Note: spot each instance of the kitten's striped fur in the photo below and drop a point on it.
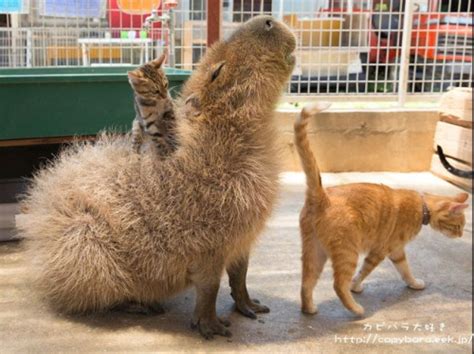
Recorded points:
(155, 112)
(341, 222)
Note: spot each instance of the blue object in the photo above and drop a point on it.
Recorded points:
(11, 6)
(73, 8)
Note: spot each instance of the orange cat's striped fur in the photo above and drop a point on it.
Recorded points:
(341, 222)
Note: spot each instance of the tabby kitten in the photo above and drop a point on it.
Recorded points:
(342, 222)
(154, 108)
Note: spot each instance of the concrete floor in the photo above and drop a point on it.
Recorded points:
(394, 312)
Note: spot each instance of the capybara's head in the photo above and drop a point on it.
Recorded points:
(269, 40)
(249, 68)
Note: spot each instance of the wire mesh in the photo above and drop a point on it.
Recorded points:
(345, 47)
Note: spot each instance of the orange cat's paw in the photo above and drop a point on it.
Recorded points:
(418, 284)
(358, 310)
(310, 310)
(357, 288)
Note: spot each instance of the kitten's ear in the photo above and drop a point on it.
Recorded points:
(135, 74)
(216, 70)
(135, 77)
(461, 197)
(158, 62)
(457, 208)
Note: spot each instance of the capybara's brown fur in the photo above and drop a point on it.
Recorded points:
(113, 226)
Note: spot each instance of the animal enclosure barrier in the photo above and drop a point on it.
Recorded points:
(359, 48)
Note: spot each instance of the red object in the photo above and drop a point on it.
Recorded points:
(424, 37)
(123, 21)
(170, 4)
(213, 21)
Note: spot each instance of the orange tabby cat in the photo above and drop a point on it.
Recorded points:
(342, 222)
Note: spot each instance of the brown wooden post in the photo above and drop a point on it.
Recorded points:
(214, 10)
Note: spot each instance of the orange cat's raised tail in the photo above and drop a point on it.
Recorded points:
(315, 191)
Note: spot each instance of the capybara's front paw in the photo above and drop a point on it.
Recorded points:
(208, 327)
(251, 307)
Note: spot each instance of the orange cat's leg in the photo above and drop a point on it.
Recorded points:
(344, 262)
(400, 262)
(314, 259)
(371, 261)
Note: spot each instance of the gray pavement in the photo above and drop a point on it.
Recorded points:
(394, 313)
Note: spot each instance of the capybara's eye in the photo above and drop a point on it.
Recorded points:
(268, 25)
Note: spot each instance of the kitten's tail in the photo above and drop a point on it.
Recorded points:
(315, 190)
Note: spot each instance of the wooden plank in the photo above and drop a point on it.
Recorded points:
(457, 102)
(8, 211)
(188, 45)
(74, 52)
(456, 141)
(8, 234)
(438, 169)
(44, 141)
(213, 21)
(7, 215)
(449, 118)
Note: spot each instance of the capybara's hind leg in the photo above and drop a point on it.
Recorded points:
(206, 279)
(237, 272)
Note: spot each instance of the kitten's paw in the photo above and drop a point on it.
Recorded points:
(358, 310)
(418, 284)
(309, 310)
(357, 288)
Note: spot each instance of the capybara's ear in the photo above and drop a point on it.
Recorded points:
(216, 70)
(194, 101)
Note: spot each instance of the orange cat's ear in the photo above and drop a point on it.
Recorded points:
(457, 208)
(461, 197)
